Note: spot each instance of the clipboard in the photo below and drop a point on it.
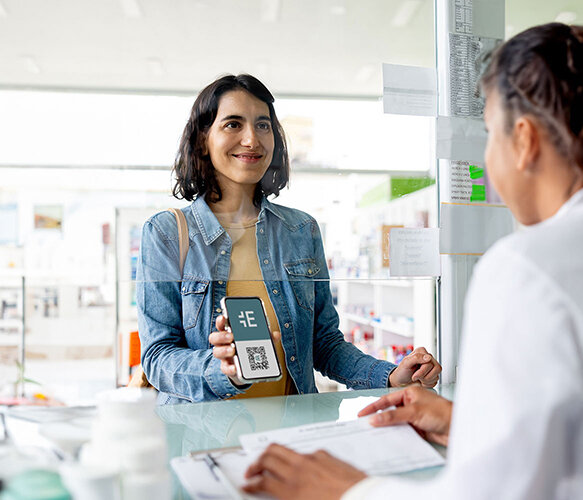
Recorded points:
(200, 483)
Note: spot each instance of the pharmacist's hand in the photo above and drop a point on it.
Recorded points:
(285, 474)
(428, 413)
(419, 366)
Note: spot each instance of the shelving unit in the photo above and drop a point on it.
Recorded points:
(387, 312)
(12, 317)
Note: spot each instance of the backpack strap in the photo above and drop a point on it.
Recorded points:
(183, 242)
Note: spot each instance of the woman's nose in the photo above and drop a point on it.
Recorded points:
(249, 137)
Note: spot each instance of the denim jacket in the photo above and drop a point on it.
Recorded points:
(177, 313)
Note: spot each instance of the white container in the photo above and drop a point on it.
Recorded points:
(147, 486)
(130, 439)
(91, 483)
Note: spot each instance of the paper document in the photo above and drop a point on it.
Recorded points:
(414, 251)
(409, 90)
(376, 450)
(470, 229)
(200, 483)
(460, 139)
(349, 407)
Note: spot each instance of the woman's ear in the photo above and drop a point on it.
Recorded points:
(205, 149)
(526, 135)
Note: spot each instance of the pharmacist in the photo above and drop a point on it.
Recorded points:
(517, 425)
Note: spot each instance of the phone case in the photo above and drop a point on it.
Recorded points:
(236, 357)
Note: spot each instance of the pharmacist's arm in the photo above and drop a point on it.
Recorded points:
(513, 434)
(284, 473)
(516, 425)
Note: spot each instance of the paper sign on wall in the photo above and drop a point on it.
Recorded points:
(414, 252)
(409, 90)
(461, 139)
(470, 229)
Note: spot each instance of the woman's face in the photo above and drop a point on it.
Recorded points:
(502, 158)
(240, 141)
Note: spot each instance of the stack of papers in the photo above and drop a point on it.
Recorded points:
(375, 450)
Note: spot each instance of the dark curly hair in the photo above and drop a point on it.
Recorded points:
(193, 170)
(539, 72)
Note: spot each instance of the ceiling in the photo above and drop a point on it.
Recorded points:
(297, 47)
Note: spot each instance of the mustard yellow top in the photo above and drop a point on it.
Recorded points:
(245, 279)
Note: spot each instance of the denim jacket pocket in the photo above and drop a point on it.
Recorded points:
(193, 293)
(300, 275)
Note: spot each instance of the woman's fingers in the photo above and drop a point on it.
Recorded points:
(228, 368)
(432, 377)
(223, 352)
(422, 372)
(221, 338)
(221, 322)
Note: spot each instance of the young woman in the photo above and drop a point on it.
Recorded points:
(517, 428)
(231, 157)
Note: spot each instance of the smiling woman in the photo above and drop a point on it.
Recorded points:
(231, 157)
(240, 142)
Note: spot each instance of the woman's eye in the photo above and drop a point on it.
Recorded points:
(264, 126)
(232, 125)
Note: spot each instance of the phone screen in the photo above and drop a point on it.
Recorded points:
(253, 342)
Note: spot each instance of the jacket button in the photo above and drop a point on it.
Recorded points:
(261, 231)
(220, 282)
(286, 325)
(218, 309)
(223, 252)
(228, 394)
(293, 358)
(266, 261)
(309, 271)
(275, 292)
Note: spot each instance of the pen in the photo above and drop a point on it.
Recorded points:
(222, 478)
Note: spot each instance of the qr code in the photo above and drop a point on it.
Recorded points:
(257, 358)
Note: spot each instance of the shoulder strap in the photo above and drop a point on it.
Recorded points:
(182, 235)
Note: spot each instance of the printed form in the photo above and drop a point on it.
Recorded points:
(375, 450)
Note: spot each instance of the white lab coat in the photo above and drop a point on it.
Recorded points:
(517, 426)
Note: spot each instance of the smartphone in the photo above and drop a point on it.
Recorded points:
(255, 356)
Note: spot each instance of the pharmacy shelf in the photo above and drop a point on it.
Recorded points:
(398, 328)
(410, 302)
(9, 339)
(6, 324)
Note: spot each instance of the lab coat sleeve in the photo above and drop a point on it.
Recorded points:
(517, 428)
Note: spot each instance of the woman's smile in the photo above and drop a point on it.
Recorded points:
(248, 157)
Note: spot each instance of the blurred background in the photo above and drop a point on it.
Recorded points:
(93, 100)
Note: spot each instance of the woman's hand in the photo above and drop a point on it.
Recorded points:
(224, 350)
(285, 474)
(419, 366)
(428, 413)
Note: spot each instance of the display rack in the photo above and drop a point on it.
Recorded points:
(376, 314)
(12, 315)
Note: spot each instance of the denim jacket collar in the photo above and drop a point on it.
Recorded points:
(209, 226)
(267, 205)
(207, 223)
